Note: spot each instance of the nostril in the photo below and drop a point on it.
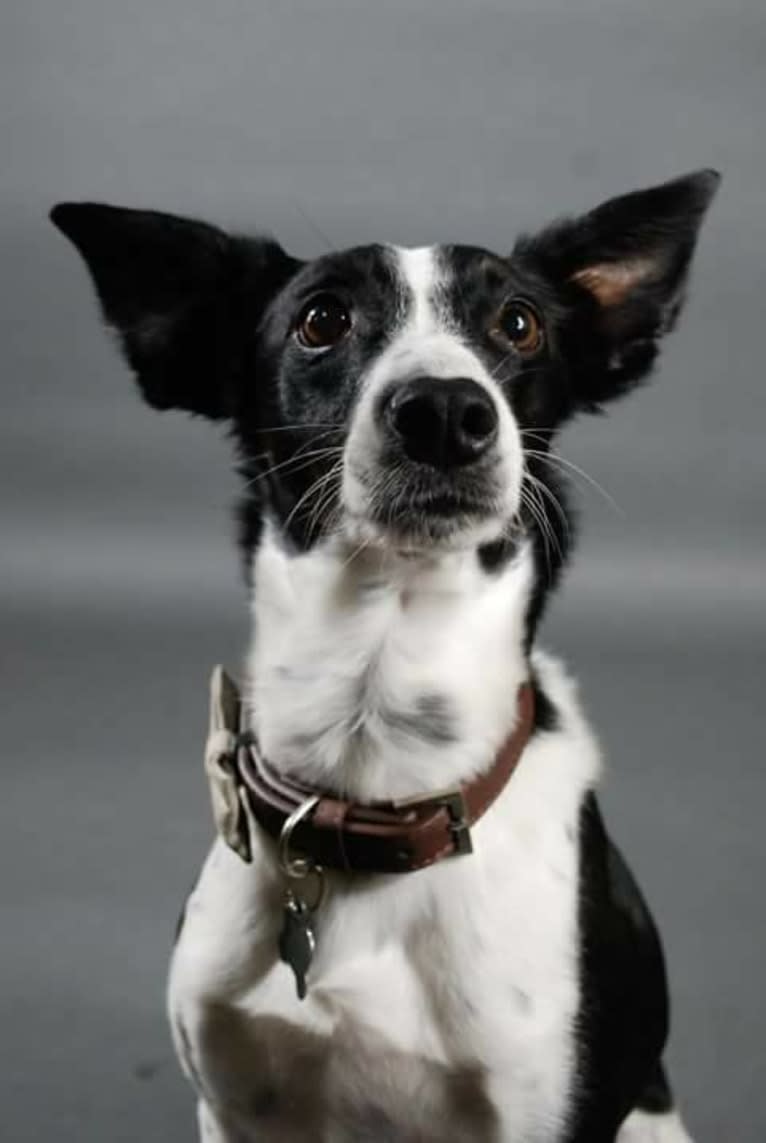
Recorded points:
(414, 417)
(478, 421)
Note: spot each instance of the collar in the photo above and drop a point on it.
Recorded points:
(375, 837)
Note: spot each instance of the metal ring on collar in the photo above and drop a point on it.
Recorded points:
(296, 867)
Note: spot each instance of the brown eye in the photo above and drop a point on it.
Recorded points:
(519, 324)
(323, 322)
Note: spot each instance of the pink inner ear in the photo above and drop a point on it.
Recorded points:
(611, 282)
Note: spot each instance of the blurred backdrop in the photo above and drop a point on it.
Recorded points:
(332, 123)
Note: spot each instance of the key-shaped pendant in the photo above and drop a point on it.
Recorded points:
(297, 940)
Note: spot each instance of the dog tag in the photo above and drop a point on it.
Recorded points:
(297, 941)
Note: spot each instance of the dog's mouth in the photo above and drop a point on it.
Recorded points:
(419, 511)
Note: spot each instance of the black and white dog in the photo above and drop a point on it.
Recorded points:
(404, 520)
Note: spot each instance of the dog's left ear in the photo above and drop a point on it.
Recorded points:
(180, 294)
(624, 268)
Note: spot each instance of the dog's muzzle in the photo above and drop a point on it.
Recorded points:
(431, 462)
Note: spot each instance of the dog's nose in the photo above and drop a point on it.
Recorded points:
(442, 422)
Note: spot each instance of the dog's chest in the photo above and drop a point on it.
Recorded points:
(384, 682)
(441, 1004)
(463, 982)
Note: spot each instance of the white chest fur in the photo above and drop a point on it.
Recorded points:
(442, 1003)
(384, 675)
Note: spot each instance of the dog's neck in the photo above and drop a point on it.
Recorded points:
(380, 675)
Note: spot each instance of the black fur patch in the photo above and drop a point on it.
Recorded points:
(656, 1098)
(437, 720)
(430, 720)
(546, 713)
(427, 720)
(623, 1018)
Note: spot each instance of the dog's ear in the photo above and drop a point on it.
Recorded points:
(175, 291)
(624, 268)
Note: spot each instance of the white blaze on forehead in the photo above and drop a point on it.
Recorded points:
(426, 340)
(422, 276)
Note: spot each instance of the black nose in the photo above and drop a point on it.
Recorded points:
(442, 422)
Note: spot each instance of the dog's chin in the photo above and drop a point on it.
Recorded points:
(428, 529)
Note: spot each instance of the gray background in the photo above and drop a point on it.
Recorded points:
(412, 122)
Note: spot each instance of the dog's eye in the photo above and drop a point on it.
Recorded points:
(323, 322)
(519, 323)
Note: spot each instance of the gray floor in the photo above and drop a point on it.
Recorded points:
(118, 583)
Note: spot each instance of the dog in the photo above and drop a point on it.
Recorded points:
(413, 926)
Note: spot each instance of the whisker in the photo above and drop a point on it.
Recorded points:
(504, 360)
(300, 427)
(556, 458)
(301, 459)
(543, 488)
(318, 489)
(324, 500)
(313, 488)
(312, 223)
(541, 522)
(356, 552)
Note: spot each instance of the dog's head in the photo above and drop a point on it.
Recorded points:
(405, 398)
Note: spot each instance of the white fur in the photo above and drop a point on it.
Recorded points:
(641, 1127)
(344, 640)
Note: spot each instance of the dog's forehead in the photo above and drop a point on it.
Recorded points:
(414, 271)
(372, 267)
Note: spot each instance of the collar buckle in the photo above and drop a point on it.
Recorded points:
(453, 801)
(460, 828)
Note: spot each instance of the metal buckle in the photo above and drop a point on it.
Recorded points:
(454, 803)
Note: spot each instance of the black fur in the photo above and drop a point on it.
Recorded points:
(656, 1097)
(182, 296)
(546, 713)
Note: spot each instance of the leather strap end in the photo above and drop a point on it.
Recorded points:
(220, 765)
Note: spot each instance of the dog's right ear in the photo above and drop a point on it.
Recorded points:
(179, 294)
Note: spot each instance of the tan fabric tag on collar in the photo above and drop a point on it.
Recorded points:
(221, 764)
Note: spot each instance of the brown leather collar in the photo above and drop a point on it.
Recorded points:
(378, 837)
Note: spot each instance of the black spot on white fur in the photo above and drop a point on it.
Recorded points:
(428, 720)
